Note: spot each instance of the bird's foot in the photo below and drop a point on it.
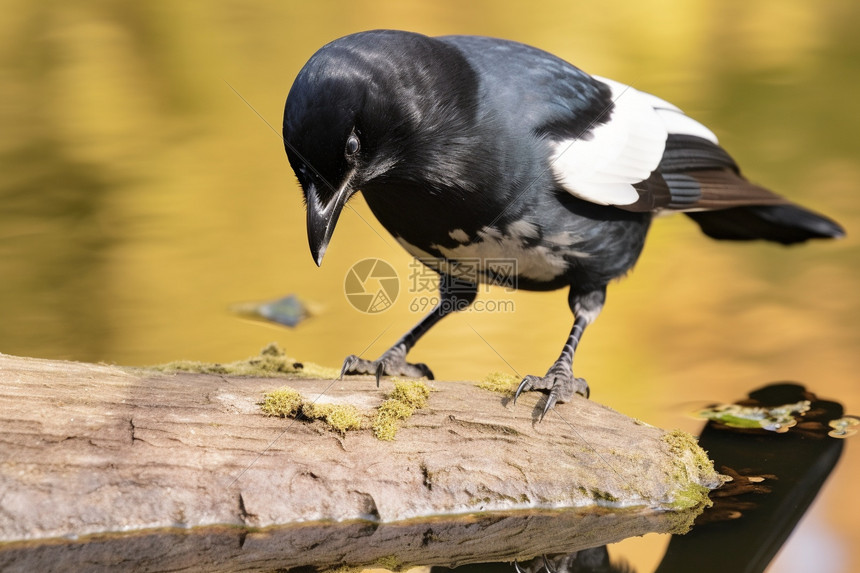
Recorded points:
(392, 363)
(558, 382)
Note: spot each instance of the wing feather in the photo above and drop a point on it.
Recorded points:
(609, 162)
(649, 156)
(602, 165)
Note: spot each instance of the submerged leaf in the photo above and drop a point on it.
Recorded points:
(288, 310)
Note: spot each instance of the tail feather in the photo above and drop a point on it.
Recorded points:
(704, 182)
(786, 224)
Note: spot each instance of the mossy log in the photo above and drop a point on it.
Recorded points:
(110, 452)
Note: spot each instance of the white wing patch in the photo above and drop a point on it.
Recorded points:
(623, 151)
(672, 117)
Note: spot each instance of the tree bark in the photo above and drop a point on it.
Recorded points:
(116, 454)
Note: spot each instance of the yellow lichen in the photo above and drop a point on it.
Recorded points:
(389, 562)
(339, 417)
(284, 402)
(272, 361)
(407, 396)
(498, 382)
(288, 403)
(346, 569)
(387, 416)
(411, 392)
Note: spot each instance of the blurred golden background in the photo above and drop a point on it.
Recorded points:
(145, 191)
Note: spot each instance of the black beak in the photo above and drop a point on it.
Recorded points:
(323, 218)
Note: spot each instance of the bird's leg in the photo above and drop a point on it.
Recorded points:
(559, 380)
(454, 295)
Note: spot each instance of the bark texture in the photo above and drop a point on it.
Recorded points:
(117, 454)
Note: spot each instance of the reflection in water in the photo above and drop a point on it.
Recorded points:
(593, 560)
(775, 476)
(775, 419)
(844, 427)
(447, 541)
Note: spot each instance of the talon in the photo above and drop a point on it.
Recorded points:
(524, 386)
(559, 385)
(380, 369)
(425, 370)
(550, 402)
(548, 566)
(348, 364)
(517, 568)
(389, 364)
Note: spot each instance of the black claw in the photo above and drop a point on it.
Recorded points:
(425, 370)
(550, 402)
(380, 369)
(348, 363)
(520, 389)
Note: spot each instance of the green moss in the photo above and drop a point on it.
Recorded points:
(339, 417)
(272, 361)
(284, 402)
(191, 366)
(498, 382)
(346, 569)
(682, 521)
(680, 442)
(604, 496)
(389, 562)
(407, 396)
(690, 496)
(690, 493)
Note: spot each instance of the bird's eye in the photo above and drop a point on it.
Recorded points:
(352, 144)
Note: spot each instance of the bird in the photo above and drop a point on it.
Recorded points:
(495, 162)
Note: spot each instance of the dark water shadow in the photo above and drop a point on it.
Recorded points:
(775, 478)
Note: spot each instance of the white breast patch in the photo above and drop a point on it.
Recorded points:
(491, 248)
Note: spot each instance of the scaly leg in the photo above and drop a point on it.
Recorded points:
(454, 295)
(559, 379)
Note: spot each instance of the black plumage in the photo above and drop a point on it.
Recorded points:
(470, 148)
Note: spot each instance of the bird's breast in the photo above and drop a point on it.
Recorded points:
(518, 256)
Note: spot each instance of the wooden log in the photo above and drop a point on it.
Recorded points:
(119, 453)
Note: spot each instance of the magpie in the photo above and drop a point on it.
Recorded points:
(473, 151)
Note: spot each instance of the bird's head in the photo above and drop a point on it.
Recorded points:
(366, 111)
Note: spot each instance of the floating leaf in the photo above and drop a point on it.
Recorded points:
(774, 419)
